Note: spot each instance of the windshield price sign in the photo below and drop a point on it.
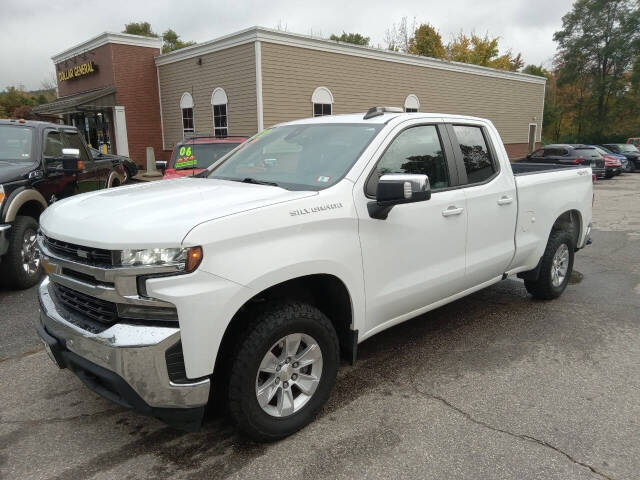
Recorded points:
(186, 158)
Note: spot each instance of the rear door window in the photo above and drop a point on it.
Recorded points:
(477, 158)
(73, 140)
(53, 145)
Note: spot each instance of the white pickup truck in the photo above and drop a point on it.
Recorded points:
(248, 282)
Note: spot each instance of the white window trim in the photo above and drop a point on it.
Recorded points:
(186, 101)
(323, 96)
(221, 99)
(412, 101)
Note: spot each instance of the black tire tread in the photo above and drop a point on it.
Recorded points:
(274, 317)
(542, 288)
(11, 273)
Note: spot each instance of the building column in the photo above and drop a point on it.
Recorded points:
(120, 127)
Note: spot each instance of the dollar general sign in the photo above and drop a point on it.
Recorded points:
(81, 70)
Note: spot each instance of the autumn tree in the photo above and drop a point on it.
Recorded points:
(355, 38)
(596, 49)
(482, 51)
(427, 41)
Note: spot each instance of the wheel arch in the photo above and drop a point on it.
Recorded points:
(571, 220)
(114, 177)
(25, 201)
(327, 292)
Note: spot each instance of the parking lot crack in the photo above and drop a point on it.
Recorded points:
(521, 436)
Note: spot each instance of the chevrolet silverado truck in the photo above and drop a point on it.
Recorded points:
(243, 286)
(40, 162)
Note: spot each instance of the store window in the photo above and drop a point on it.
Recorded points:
(219, 104)
(411, 103)
(322, 101)
(186, 105)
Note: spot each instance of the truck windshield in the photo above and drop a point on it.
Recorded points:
(298, 157)
(200, 155)
(15, 144)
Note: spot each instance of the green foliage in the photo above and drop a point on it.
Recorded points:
(171, 42)
(596, 62)
(170, 39)
(140, 28)
(537, 70)
(427, 41)
(483, 51)
(355, 38)
(17, 103)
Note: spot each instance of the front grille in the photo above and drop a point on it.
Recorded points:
(79, 253)
(100, 310)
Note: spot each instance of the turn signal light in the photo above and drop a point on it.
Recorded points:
(80, 165)
(578, 160)
(194, 257)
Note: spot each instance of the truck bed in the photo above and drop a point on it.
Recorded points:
(527, 168)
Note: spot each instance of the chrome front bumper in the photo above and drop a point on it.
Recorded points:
(133, 351)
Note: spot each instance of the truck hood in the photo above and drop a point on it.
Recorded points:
(10, 172)
(154, 214)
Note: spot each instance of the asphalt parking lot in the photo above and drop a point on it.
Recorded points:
(495, 385)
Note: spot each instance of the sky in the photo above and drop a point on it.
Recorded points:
(31, 31)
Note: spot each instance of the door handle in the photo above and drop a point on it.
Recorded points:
(452, 210)
(505, 200)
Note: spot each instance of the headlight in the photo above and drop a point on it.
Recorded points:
(186, 259)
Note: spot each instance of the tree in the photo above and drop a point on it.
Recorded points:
(355, 38)
(140, 28)
(397, 37)
(537, 70)
(171, 41)
(482, 51)
(596, 49)
(427, 41)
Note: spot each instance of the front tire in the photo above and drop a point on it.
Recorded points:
(555, 268)
(283, 371)
(20, 267)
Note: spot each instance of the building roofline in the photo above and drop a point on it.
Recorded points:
(268, 35)
(103, 39)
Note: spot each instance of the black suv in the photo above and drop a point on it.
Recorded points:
(628, 150)
(40, 163)
(565, 154)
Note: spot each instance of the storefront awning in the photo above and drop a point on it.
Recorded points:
(97, 99)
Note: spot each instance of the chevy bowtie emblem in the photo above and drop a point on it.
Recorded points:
(82, 254)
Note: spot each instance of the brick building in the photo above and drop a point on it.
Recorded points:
(108, 88)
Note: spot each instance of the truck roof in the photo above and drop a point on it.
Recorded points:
(34, 123)
(383, 117)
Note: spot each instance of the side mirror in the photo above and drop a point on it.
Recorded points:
(161, 165)
(71, 162)
(395, 189)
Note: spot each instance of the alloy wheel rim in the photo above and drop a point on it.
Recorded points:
(560, 265)
(289, 375)
(29, 252)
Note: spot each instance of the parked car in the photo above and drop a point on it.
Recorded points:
(635, 141)
(196, 154)
(567, 154)
(624, 163)
(130, 167)
(251, 278)
(628, 150)
(40, 163)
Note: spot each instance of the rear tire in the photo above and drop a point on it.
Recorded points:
(257, 358)
(20, 267)
(555, 268)
(632, 166)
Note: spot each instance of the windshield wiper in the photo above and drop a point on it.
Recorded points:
(258, 182)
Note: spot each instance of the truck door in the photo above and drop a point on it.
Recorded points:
(89, 179)
(492, 206)
(416, 256)
(56, 184)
